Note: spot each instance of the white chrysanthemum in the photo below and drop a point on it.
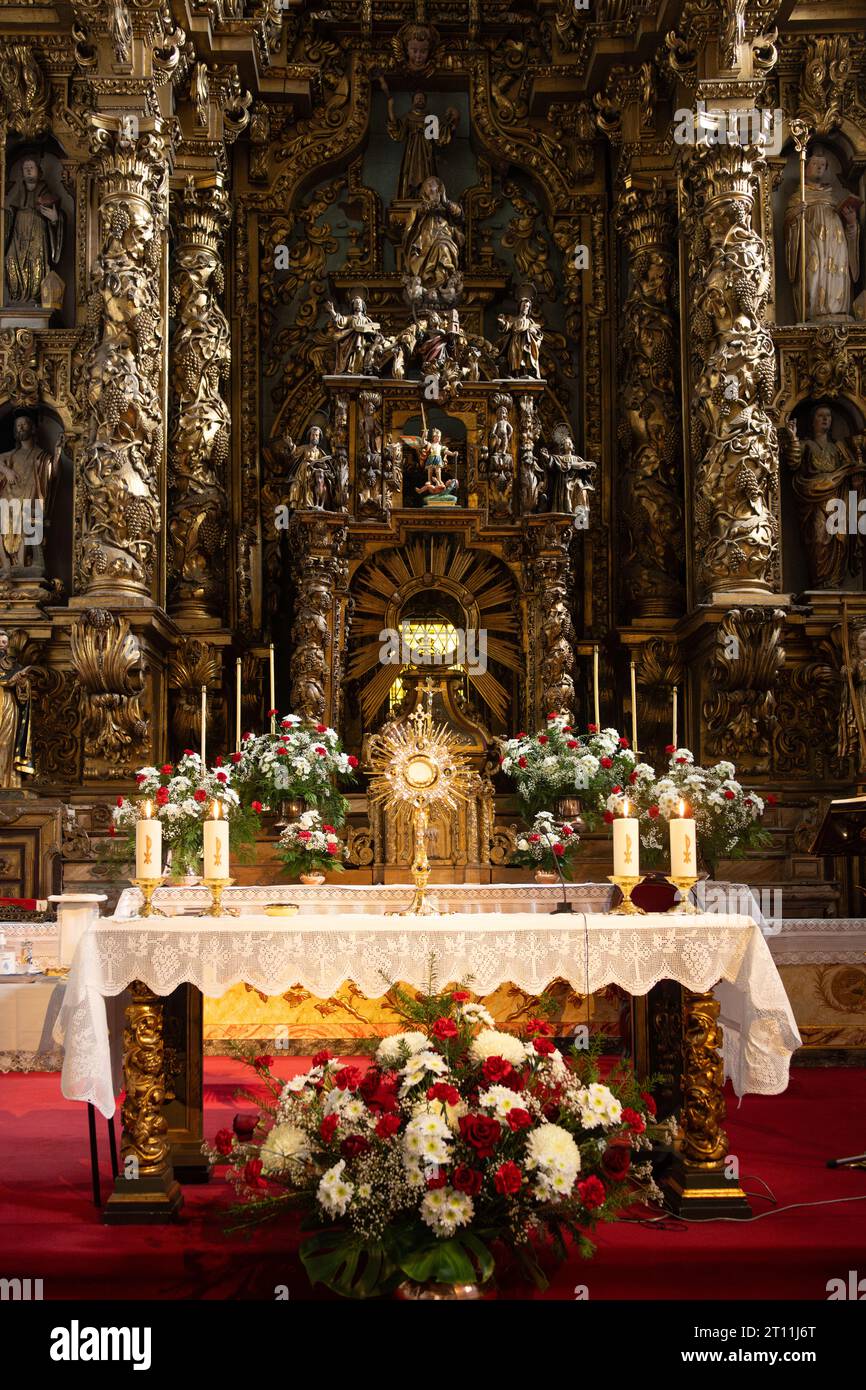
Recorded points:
(304, 1078)
(491, 1043)
(449, 1113)
(444, 1210)
(427, 1122)
(389, 1048)
(476, 1013)
(500, 1099)
(420, 1066)
(335, 1192)
(354, 1110)
(599, 1106)
(553, 1155)
(337, 1100)
(285, 1147)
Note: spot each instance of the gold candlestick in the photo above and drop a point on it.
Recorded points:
(148, 887)
(626, 886)
(684, 887)
(216, 886)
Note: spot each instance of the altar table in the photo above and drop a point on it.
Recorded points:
(152, 957)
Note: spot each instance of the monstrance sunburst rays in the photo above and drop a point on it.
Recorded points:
(419, 770)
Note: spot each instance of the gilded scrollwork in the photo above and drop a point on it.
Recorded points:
(742, 675)
(109, 663)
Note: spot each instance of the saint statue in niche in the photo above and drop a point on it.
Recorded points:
(34, 236)
(520, 345)
(570, 476)
(825, 469)
(27, 475)
(832, 244)
(355, 335)
(432, 244)
(420, 134)
(15, 702)
(312, 476)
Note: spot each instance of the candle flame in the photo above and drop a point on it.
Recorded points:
(625, 807)
(147, 810)
(216, 810)
(682, 808)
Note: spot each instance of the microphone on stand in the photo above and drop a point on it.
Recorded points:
(565, 905)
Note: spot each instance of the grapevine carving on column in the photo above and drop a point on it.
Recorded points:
(734, 444)
(200, 420)
(316, 550)
(704, 1143)
(552, 583)
(649, 430)
(120, 466)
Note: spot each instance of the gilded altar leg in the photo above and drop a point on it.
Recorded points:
(145, 1189)
(700, 1185)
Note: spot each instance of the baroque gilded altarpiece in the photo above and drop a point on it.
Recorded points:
(226, 170)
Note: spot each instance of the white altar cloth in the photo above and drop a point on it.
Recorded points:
(483, 949)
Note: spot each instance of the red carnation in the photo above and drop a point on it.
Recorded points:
(321, 728)
(682, 760)
(322, 752)
(200, 795)
(566, 830)
(729, 795)
(161, 796)
(272, 712)
(224, 1142)
(466, 1179)
(140, 777)
(542, 738)
(348, 1078)
(189, 752)
(591, 1192)
(497, 1071)
(649, 1102)
(635, 1122)
(593, 728)
(652, 812)
(624, 743)
(354, 1145)
(252, 1174)
(534, 838)
(236, 757)
(328, 1127)
(263, 1062)
(387, 1125)
(508, 1178)
(608, 817)
(444, 1028)
(521, 762)
(257, 807)
(119, 801)
(521, 734)
(222, 777)
(438, 1179)
(632, 778)
(460, 996)
(281, 752)
(558, 849)
(218, 762)
(319, 1059)
(442, 1091)
(352, 760)
(304, 834)
(167, 770)
(481, 1132)
(534, 1027)
(615, 790)
(572, 743)
(518, 1119)
(333, 849)
(616, 1160)
(670, 748)
(552, 715)
(566, 728)
(329, 829)
(544, 1046)
(606, 762)
(378, 1089)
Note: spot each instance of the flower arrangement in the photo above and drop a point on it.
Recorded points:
(547, 843)
(558, 761)
(300, 760)
(310, 846)
(460, 1146)
(726, 814)
(182, 795)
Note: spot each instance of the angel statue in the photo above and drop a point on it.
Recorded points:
(520, 344)
(311, 473)
(355, 336)
(433, 456)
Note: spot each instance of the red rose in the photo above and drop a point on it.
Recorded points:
(257, 807)
(332, 849)
(729, 795)
(518, 1119)
(387, 1125)
(442, 1091)
(236, 757)
(537, 1027)
(222, 777)
(378, 1089)
(591, 1192)
(321, 728)
(616, 1160)
(635, 1122)
(119, 801)
(606, 762)
(200, 795)
(572, 743)
(352, 760)
(354, 1145)
(444, 1028)
(189, 752)
(244, 1124)
(167, 770)
(507, 1178)
(466, 1179)
(593, 728)
(772, 799)
(319, 1059)
(652, 812)
(608, 817)
(263, 1062)
(328, 1127)
(218, 762)
(649, 1102)
(304, 834)
(534, 838)
(481, 1132)
(496, 1070)
(670, 748)
(521, 762)
(161, 796)
(140, 777)
(624, 743)
(566, 728)
(553, 715)
(282, 752)
(460, 996)
(439, 1179)
(224, 1142)
(558, 849)
(348, 1078)
(252, 1174)
(566, 830)
(542, 738)
(544, 1046)
(615, 790)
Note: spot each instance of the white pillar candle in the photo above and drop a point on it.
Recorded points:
(683, 846)
(674, 739)
(148, 844)
(633, 708)
(626, 846)
(595, 703)
(273, 704)
(238, 705)
(203, 724)
(216, 844)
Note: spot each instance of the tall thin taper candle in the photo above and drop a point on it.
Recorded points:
(633, 708)
(595, 704)
(238, 705)
(674, 739)
(273, 690)
(203, 723)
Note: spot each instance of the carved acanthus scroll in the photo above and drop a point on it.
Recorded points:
(108, 660)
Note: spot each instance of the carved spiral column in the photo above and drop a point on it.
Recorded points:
(120, 472)
(551, 629)
(704, 1143)
(734, 446)
(650, 472)
(317, 562)
(200, 424)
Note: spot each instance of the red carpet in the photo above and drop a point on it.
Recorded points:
(49, 1228)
